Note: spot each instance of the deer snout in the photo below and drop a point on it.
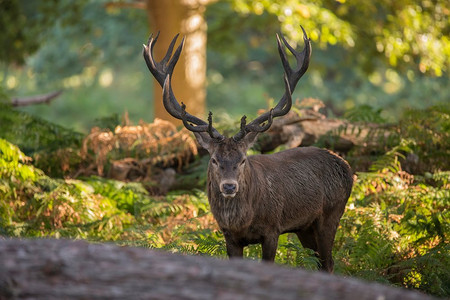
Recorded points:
(229, 188)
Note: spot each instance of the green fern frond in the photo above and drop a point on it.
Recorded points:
(391, 160)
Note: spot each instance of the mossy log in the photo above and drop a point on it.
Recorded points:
(65, 269)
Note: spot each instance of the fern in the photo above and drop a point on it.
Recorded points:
(290, 252)
(364, 113)
(390, 161)
(209, 243)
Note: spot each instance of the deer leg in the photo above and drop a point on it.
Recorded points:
(234, 249)
(269, 247)
(308, 238)
(325, 239)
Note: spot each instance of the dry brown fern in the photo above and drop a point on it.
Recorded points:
(134, 150)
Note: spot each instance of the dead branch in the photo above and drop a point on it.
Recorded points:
(126, 4)
(47, 98)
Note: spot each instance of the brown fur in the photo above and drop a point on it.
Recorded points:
(301, 190)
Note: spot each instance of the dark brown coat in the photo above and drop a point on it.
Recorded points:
(301, 190)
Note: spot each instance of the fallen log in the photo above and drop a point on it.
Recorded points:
(65, 269)
(305, 127)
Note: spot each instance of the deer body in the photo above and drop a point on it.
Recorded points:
(301, 190)
(286, 191)
(255, 199)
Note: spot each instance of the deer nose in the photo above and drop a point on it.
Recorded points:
(229, 188)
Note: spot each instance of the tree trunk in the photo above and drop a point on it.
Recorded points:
(64, 269)
(188, 82)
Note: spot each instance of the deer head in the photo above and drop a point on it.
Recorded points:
(228, 155)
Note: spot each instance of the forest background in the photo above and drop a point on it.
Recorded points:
(383, 65)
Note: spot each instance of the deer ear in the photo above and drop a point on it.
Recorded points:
(250, 139)
(204, 140)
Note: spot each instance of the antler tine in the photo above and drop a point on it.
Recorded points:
(148, 56)
(261, 128)
(283, 56)
(301, 57)
(243, 130)
(164, 67)
(199, 128)
(189, 126)
(191, 122)
(287, 99)
(291, 77)
(170, 49)
(162, 71)
(256, 125)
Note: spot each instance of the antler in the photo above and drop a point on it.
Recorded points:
(291, 77)
(162, 71)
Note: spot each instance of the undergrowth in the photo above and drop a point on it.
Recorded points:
(395, 228)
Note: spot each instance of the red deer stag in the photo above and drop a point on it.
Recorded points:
(256, 198)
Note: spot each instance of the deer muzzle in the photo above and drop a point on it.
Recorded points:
(229, 188)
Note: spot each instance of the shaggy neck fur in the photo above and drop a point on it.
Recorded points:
(231, 213)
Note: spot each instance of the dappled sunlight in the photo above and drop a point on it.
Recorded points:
(106, 78)
(195, 61)
(11, 82)
(86, 78)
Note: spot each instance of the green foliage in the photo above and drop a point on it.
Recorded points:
(396, 226)
(414, 33)
(21, 39)
(390, 161)
(328, 28)
(430, 131)
(418, 142)
(395, 229)
(52, 147)
(290, 252)
(33, 134)
(364, 113)
(91, 52)
(36, 205)
(244, 69)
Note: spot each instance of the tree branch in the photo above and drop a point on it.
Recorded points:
(132, 4)
(35, 99)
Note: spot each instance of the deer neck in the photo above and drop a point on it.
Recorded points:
(230, 213)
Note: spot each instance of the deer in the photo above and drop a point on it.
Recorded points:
(254, 199)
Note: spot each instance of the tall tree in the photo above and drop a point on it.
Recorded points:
(186, 17)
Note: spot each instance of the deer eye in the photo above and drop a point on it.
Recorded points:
(243, 162)
(214, 162)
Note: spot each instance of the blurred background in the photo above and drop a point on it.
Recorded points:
(83, 166)
(389, 55)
